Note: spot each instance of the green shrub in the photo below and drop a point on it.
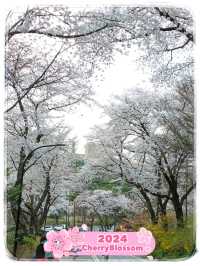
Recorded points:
(176, 243)
(30, 241)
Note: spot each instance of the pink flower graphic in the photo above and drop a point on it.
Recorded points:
(58, 243)
(75, 236)
(144, 236)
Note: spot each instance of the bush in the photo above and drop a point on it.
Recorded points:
(26, 244)
(176, 243)
(29, 241)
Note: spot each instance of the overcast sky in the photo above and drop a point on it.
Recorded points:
(123, 74)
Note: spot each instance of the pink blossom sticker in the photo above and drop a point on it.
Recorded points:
(58, 243)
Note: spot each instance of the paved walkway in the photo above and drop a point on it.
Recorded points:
(104, 258)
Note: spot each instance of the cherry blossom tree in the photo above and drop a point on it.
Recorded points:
(103, 204)
(141, 146)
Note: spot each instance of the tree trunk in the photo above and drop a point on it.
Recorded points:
(66, 219)
(162, 210)
(178, 208)
(19, 184)
(153, 216)
(91, 223)
(57, 219)
(74, 215)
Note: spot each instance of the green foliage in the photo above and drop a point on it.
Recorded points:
(78, 163)
(72, 196)
(30, 241)
(10, 239)
(8, 171)
(174, 243)
(126, 187)
(13, 193)
(103, 184)
(26, 243)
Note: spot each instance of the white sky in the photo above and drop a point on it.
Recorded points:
(123, 74)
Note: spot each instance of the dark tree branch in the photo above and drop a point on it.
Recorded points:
(30, 87)
(13, 162)
(177, 26)
(141, 188)
(61, 36)
(187, 193)
(29, 156)
(177, 47)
